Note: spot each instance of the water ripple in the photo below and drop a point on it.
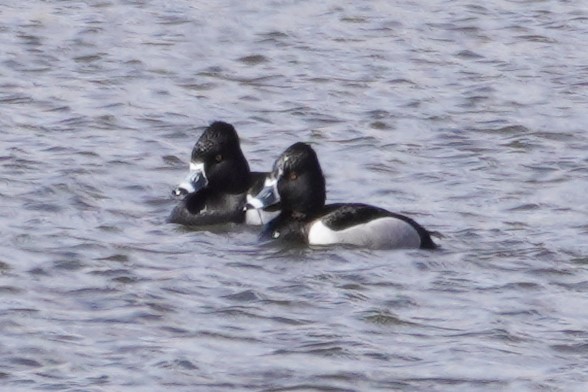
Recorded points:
(468, 118)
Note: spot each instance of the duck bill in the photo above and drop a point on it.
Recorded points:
(194, 181)
(267, 198)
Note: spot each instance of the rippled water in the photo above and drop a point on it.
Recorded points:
(470, 117)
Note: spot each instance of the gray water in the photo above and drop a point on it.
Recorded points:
(470, 117)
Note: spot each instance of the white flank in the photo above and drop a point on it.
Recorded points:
(380, 233)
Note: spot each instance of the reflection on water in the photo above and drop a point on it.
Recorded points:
(470, 118)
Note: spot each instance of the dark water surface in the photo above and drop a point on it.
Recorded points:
(470, 117)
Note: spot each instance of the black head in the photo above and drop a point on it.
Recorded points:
(224, 163)
(217, 163)
(300, 180)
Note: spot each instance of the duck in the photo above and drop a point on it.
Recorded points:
(216, 187)
(297, 185)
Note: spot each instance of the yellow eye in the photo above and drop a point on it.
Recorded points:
(218, 157)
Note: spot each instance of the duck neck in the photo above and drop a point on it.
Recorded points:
(238, 180)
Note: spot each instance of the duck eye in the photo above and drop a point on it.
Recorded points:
(293, 176)
(218, 157)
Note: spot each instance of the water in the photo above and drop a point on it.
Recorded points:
(470, 118)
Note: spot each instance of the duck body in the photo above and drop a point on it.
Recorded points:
(209, 207)
(352, 224)
(298, 184)
(216, 187)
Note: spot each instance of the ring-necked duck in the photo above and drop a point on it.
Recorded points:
(298, 185)
(214, 192)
